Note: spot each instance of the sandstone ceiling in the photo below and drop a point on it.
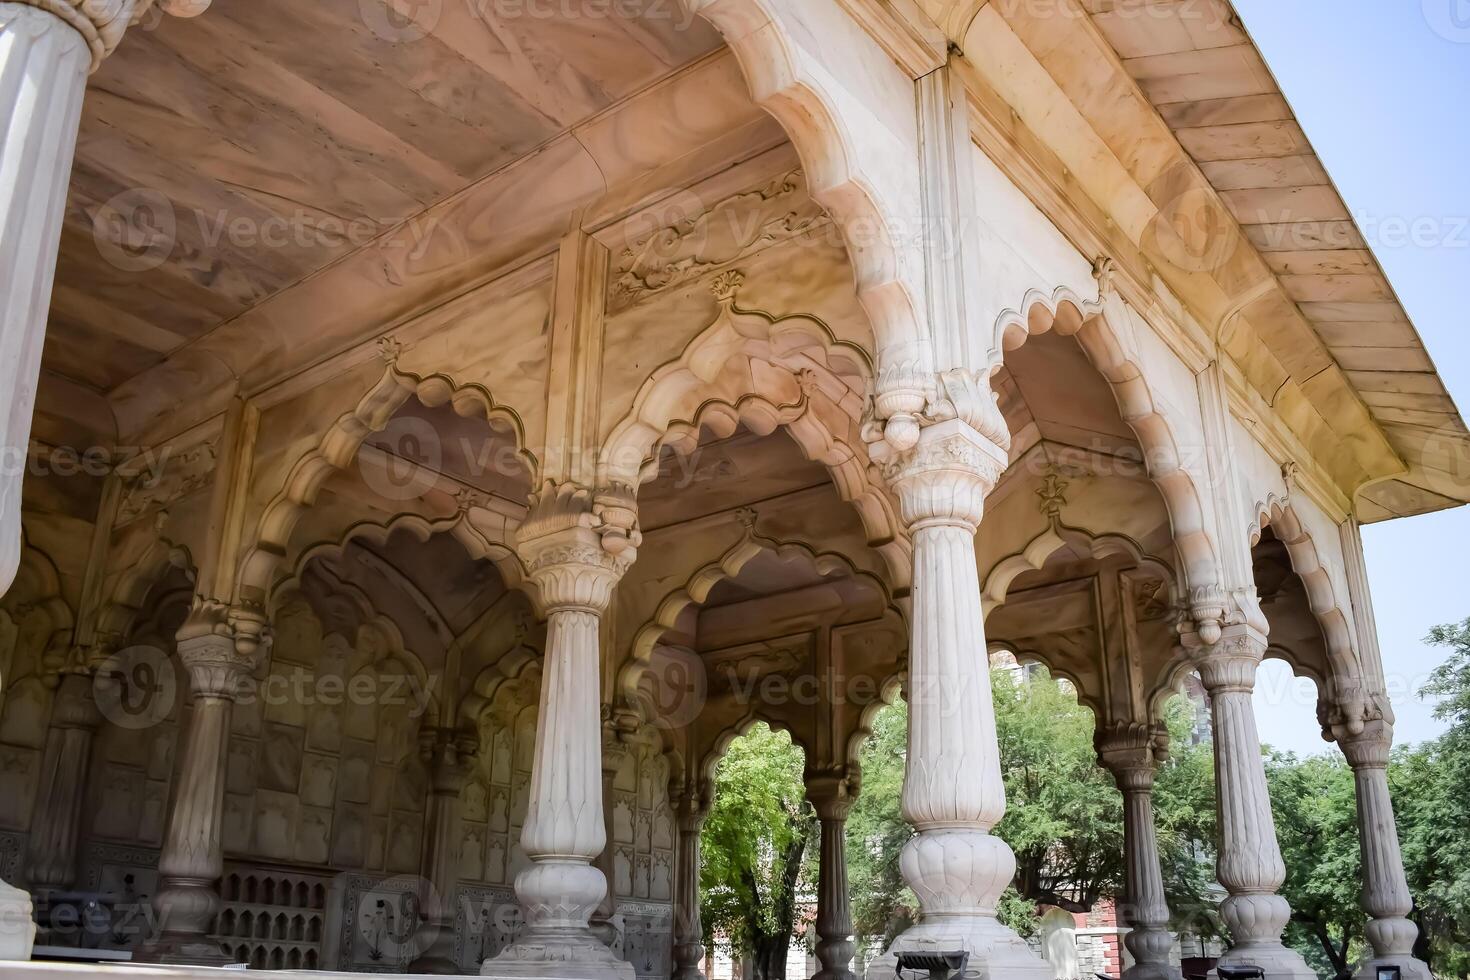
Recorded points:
(272, 138)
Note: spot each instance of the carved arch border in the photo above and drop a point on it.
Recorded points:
(340, 444)
(765, 371)
(1343, 664)
(697, 589)
(1036, 552)
(785, 81)
(494, 547)
(1103, 340)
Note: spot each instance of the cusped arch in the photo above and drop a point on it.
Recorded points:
(1099, 329)
(129, 586)
(1277, 514)
(696, 592)
(843, 158)
(491, 544)
(1034, 555)
(754, 715)
(339, 446)
(765, 371)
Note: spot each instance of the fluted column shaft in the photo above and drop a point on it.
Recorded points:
(688, 925)
(835, 947)
(953, 792)
(51, 854)
(218, 660)
(1131, 753)
(44, 61)
(1386, 896)
(614, 751)
(1250, 865)
(574, 567)
(448, 754)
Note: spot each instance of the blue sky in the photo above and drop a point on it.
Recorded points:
(1379, 88)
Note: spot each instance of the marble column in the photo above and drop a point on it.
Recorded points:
(1131, 753)
(574, 572)
(51, 852)
(690, 811)
(1250, 865)
(219, 658)
(1386, 896)
(448, 754)
(614, 753)
(831, 798)
(953, 792)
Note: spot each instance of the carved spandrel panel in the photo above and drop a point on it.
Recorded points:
(688, 239)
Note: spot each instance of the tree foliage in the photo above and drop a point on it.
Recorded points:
(757, 846)
(1430, 784)
(1315, 808)
(1064, 819)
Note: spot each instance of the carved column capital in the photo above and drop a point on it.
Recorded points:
(75, 705)
(102, 23)
(691, 806)
(944, 478)
(576, 546)
(448, 753)
(1369, 747)
(1228, 664)
(220, 647)
(1132, 752)
(832, 795)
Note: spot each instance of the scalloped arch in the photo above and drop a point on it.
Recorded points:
(1342, 655)
(765, 371)
(1038, 550)
(696, 591)
(476, 542)
(785, 80)
(1104, 342)
(339, 446)
(726, 736)
(132, 584)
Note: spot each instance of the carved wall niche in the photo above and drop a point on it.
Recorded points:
(324, 766)
(135, 749)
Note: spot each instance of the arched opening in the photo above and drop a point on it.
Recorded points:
(758, 850)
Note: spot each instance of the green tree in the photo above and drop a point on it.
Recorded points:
(1430, 784)
(756, 846)
(1064, 819)
(1315, 808)
(1184, 821)
(1064, 815)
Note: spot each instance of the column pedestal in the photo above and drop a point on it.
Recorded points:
(1131, 753)
(564, 830)
(835, 948)
(1250, 865)
(1386, 896)
(448, 754)
(691, 810)
(218, 660)
(953, 792)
